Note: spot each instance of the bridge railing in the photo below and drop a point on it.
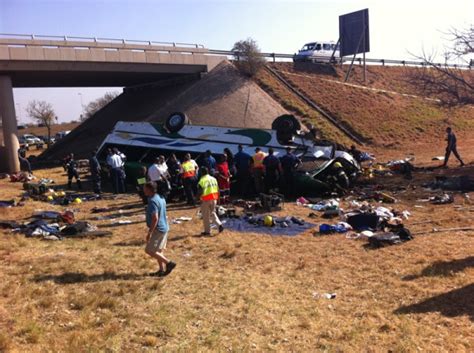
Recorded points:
(290, 57)
(92, 42)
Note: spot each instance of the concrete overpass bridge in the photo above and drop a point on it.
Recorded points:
(46, 61)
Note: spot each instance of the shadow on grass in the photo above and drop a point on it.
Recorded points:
(135, 242)
(443, 268)
(179, 237)
(114, 225)
(80, 277)
(458, 302)
(178, 207)
(125, 206)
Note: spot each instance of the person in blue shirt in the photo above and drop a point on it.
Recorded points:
(157, 235)
(242, 163)
(289, 164)
(272, 171)
(209, 162)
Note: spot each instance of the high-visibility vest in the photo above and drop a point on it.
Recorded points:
(189, 169)
(209, 187)
(258, 160)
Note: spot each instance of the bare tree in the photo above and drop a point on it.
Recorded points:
(249, 57)
(463, 43)
(452, 85)
(42, 113)
(96, 105)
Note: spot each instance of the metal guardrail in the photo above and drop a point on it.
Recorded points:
(274, 56)
(143, 45)
(96, 40)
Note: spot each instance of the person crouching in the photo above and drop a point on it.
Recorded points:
(158, 228)
(209, 191)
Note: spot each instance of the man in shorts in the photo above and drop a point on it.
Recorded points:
(158, 228)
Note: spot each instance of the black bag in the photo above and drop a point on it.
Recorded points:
(384, 239)
(76, 228)
(364, 221)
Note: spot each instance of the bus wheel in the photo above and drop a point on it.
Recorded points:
(176, 122)
(286, 123)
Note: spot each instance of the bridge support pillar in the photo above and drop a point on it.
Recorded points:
(10, 162)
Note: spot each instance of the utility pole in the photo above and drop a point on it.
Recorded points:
(18, 112)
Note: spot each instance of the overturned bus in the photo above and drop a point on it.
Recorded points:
(142, 142)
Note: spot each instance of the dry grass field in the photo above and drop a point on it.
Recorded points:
(389, 111)
(239, 291)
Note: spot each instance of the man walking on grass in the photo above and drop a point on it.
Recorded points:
(209, 191)
(158, 228)
(451, 147)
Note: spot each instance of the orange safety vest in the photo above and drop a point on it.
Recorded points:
(209, 187)
(258, 160)
(189, 169)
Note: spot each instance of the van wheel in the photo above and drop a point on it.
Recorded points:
(286, 123)
(176, 122)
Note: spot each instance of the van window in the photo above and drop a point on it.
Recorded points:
(308, 46)
(327, 46)
(317, 47)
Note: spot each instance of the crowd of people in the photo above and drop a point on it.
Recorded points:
(240, 174)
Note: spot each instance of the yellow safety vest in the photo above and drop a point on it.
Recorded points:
(210, 189)
(189, 169)
(258, 160)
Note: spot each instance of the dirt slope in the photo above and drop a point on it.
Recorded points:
(223, 97)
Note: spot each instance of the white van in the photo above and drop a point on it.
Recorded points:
(59, 135)
(320, 51)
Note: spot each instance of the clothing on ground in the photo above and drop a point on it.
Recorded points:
(288, 229)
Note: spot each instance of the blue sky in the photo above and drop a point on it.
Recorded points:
(397, 28)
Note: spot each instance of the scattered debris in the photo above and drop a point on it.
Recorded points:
(10, 203)
(180, 220)
(317, 295)
(441, 199)
(340, 227)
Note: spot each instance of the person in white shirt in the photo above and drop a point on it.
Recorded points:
(158, 173)
(117, 172)
(158, 170)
